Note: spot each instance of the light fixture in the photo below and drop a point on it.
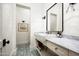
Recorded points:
(23, 21)
(71, 5)
(44, 17)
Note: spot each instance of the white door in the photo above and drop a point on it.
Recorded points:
(8, 29)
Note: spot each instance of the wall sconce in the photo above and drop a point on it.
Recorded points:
(44, 17)
(71, 5)
(23, 21)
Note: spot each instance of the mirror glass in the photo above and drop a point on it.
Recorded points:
(54, 18)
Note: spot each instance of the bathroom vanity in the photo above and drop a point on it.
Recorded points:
(57, 46)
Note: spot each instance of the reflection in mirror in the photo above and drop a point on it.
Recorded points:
(54, 20)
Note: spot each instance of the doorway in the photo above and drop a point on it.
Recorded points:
(22, 30)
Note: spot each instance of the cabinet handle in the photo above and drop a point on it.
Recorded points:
(56, 48)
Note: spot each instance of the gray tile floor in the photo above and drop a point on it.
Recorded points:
(24, 50)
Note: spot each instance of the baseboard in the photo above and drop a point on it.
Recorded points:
(13, 53)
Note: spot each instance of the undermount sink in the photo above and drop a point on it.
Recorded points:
(44, 34)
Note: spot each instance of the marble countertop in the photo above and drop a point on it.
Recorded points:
(67, 43)
(71, 44)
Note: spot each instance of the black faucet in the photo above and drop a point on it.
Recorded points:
(59, 34)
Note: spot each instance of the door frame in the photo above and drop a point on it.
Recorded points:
(26, 7)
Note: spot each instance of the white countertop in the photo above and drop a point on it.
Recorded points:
(71, 44)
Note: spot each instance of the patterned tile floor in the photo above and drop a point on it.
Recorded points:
(24, 50)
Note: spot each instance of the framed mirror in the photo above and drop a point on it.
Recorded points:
(54, 18)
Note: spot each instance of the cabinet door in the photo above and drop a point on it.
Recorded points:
(71, 53)
(51, 46)
(57, 49)
(61, 51)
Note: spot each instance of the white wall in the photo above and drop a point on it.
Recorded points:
(71, 21)
(22, 14)
(36, 21)
(45, 6)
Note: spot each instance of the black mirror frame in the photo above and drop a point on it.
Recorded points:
(62, 16)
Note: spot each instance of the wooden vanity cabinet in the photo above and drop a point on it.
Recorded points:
(57, 49)
(61, 51)
(72, 53)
